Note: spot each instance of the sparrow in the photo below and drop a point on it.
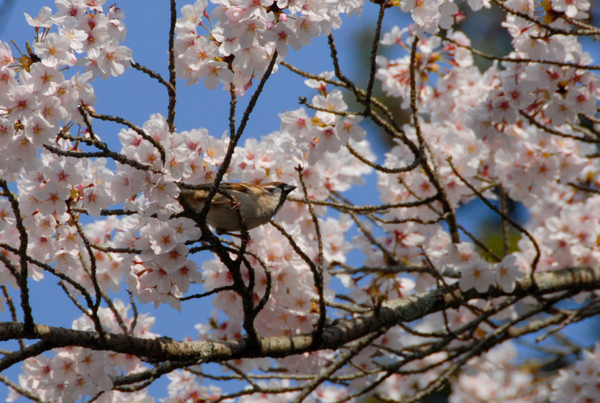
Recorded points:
(256, 203)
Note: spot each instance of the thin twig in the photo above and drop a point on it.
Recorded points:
(172, 87)
(373, 57)
(23, 273)
(317, 270)
(538, 252)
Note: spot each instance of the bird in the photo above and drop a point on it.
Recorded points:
(256, 203)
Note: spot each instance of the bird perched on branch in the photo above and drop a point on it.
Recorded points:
(256, 203)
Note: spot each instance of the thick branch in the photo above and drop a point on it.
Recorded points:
(343, 331)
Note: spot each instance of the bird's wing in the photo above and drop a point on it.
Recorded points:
(197, 198)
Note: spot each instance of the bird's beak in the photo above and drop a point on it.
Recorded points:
(287, 189)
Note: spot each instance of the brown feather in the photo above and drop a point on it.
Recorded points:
(256, 203)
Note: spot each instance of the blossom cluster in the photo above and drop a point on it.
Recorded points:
(460, 156)
(523, 131)
(519, 132)
(236, 42)
(494, 377)
(579, 382)
(432, 15)
(186, 387)
(73, 372)
(34, 104)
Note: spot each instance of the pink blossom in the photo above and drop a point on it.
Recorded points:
(572, 8)
(114, 60)
(55, 50)
(43, 18)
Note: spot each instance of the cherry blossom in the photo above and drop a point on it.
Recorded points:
(578, 382)
(75, 372)
(572, 9)
(54, 50)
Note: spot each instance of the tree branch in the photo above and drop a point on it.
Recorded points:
(343, 331)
